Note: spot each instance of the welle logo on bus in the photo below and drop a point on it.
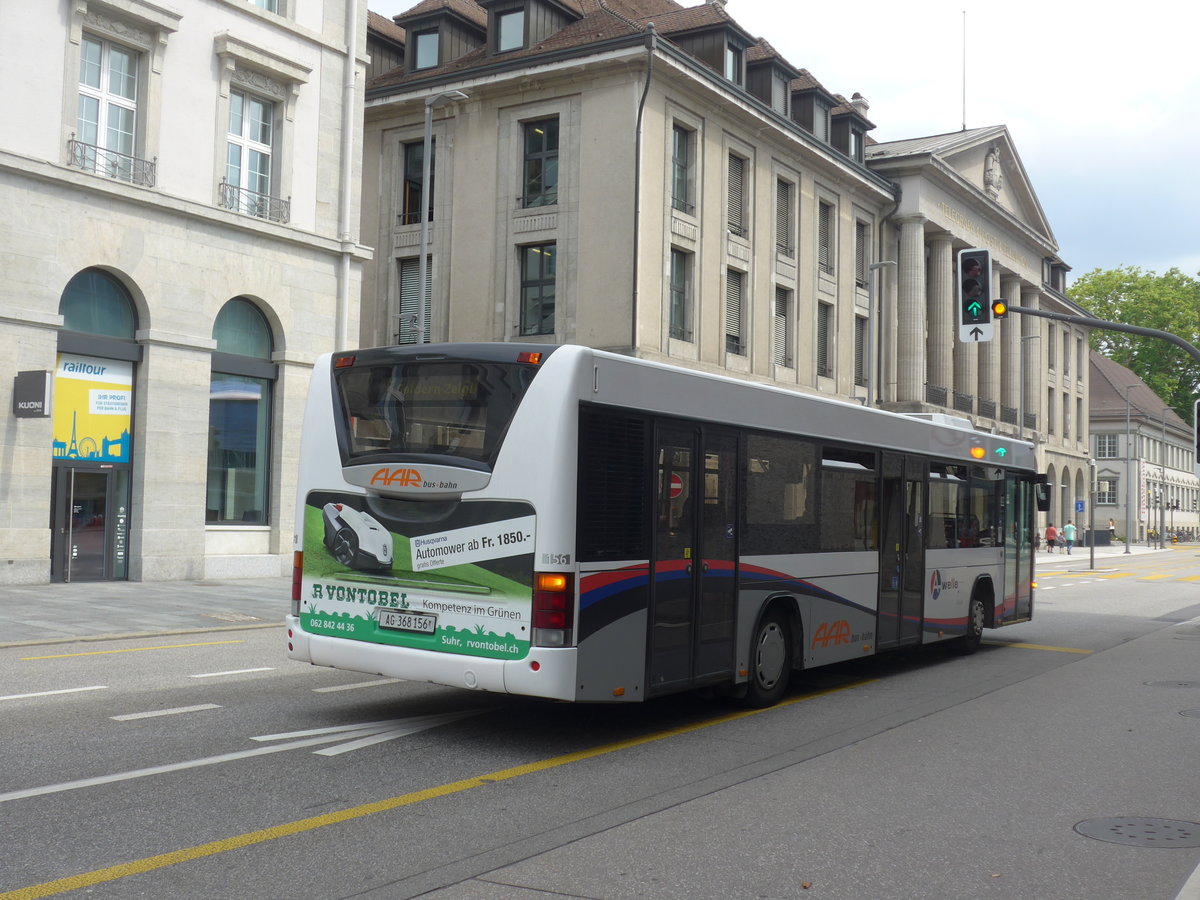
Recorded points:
(396, 572)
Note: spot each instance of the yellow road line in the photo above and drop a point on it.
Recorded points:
(162, 860)
(1153, 577)
(1190, 578)
(129, 650)
(1041, 647)
(1116, 575)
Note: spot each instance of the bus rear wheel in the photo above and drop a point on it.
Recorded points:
(770, 661)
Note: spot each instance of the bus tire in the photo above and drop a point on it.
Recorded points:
(976, 616)
(345, 546)
(770, 661)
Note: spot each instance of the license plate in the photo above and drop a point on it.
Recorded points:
(407, 621)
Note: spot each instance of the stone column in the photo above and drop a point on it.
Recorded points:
(1033, 337)
(943, 329)
(989, 355)
(910, 325)
(1010, 349)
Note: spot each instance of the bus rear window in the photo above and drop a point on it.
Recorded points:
(457, 409)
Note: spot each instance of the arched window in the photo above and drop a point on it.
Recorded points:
(96, 303)
(239, 417)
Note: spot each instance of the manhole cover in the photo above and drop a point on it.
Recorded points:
(1183, 684)
(1139, 832)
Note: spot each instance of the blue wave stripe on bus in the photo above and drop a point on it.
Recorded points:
(603, 585)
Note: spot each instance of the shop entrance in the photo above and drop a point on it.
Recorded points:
(90, 524)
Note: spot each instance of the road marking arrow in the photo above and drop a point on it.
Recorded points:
(362, 735)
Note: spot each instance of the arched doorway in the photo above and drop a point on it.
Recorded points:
(93, 430)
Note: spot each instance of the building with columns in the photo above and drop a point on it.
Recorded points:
(968, 189)
(651, 179)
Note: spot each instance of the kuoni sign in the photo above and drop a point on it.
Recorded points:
(93, 406)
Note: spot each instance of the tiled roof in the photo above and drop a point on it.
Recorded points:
(1107, 394)
(385, 26)
(467, 9)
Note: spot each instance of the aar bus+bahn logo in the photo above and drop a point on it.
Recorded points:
(832, 634)
(397, 477)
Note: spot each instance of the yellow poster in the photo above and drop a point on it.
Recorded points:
(93, 407)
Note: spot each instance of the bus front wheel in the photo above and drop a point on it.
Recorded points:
(770, 661)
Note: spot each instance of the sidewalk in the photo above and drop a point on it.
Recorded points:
(54, 613)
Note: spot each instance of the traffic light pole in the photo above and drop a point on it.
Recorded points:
(1110, 326)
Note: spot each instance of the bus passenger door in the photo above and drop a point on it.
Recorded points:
(901, 552)
(1018, 548)
(694, 582)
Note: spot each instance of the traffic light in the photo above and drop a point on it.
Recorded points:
(974, 291)
(999, 309)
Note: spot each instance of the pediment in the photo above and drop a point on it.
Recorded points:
(981, 161)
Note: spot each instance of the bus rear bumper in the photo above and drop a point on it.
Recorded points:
(545, 672)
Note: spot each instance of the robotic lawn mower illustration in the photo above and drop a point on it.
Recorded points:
(355, 539)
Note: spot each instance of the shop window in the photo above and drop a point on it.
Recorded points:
(239, 417)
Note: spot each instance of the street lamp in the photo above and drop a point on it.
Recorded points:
(1092, 512)
(874, 374)
(1162, 467)
(427, 152)
(1128, 464)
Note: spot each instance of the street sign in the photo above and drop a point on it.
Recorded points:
(1079, 506)
(973, 295)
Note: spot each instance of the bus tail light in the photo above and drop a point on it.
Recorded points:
(553, 608)
(297, 577)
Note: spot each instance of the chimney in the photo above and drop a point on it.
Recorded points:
(860, 104)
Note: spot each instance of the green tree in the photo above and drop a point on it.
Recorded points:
(1168, 302)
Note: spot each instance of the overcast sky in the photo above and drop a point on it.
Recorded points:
(1103, 107)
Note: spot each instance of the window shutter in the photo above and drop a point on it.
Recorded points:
(737, 187)
(410, 275)
(783, 217)
(825, 238)
(823, 322)
(733, 311)
(782, 328)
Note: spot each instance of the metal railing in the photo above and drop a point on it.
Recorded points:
(252, 203)
(964, 402)
(111, 164)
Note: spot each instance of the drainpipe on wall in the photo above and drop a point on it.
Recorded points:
(651, 43)
(345, 188)
(881, 390)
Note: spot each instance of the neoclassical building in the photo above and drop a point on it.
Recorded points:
(181, 241)
(963, 190)
(652, 179)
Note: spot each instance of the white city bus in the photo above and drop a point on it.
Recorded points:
(563, 522)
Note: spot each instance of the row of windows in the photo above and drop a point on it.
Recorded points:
(1155, 452)
(239, 394)
(108, 124)
(683, 193)
(1173, 497)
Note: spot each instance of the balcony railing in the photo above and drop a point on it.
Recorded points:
(252, 203)
(111, 164)
(987, 408)
(964, 402)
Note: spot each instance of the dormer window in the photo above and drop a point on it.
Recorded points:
(510, 30)
(857, 139)
(425, 49)
(820, 128)
(734, 63)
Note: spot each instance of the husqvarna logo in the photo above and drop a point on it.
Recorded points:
(397, 477)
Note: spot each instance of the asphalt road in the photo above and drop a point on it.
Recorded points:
(207, 765)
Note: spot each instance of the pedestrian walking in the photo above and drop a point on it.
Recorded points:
(1051, 537)
(1068, 534)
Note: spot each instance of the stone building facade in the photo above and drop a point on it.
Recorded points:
(181, 243)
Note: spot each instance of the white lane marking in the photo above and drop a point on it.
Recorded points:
(311, 738)
(129, 717)
(95, 687)
(233, 672)
(351, 687)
